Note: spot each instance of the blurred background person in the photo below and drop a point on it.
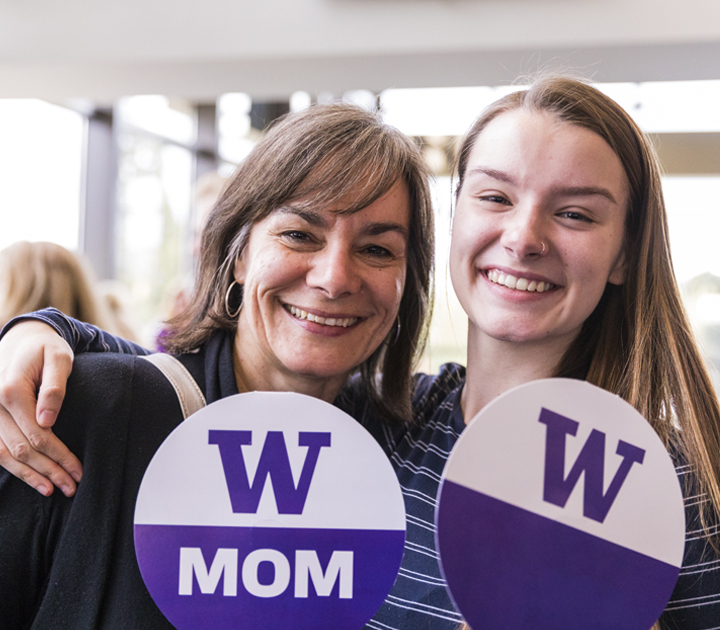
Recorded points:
(42, 274)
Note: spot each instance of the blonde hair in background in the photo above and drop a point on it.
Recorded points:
(39, 275)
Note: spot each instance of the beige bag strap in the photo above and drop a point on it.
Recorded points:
(189, 394)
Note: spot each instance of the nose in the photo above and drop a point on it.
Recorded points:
(334, 271)
(525, 234)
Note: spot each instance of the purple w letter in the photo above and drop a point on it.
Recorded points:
(591, 461)
(274, 463)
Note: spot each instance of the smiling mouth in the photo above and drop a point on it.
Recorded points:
(519, 284)
(298, 313)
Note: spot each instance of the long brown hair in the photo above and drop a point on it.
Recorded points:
(638, 342)
(316, 157)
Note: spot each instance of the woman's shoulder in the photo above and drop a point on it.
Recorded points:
(106, 375)
(117, 409)
(111, 384)
(109, 373)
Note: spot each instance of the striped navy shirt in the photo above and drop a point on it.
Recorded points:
(418, 453)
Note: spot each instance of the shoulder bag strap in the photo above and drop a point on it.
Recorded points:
(187, 390)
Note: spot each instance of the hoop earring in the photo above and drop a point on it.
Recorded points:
(227, 301)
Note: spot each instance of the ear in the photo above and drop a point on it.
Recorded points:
(239, 271)
(619, 271)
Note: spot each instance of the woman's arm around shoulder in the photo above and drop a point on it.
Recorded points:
(36, 356)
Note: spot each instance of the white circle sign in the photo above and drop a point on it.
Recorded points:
(560, 508)
(269, 510)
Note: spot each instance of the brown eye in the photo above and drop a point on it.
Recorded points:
(494, 199)
(575, 216)
(378, 252)
(297, 236)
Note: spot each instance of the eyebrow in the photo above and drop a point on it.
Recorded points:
(375, 229)
(310, 216)
(316, 219)
(491, 172)
(586, 191)
(569, 191)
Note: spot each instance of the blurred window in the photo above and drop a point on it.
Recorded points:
(155, 170)
(159, 115)
(236, 137)
(670, 106)
(693, 205)
(41, 157)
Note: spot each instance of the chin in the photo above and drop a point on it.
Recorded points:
(515, 335)
(318, 369)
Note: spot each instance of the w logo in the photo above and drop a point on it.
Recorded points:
(591, 461)
(274, 463)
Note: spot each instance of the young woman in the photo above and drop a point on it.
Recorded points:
(560, 257)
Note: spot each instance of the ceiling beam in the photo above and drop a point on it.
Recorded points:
(276, 78)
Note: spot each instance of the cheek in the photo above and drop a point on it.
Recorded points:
(274, 269)
(463, 249)
(597, 269)
(591, 280)
(386, 290)
(471, 232)
(457, 242)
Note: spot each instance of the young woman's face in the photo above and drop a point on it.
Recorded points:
(321, 289)
(538, 228)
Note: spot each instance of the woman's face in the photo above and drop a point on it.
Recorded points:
(321, 289)
(538, 228)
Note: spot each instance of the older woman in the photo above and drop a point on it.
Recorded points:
(315, 264)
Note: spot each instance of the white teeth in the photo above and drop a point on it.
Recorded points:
(330, 321)
(519, 284)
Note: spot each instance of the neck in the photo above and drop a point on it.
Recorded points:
(494, 367)
(253, 375)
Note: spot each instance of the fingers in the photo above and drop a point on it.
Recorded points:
(25, 458)
(57, 365)
(33, 358)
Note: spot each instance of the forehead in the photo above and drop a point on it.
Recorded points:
(346, 180)
(391, 209)
(395, 200)
(540, 150)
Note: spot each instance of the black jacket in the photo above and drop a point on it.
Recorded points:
(70, 563)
